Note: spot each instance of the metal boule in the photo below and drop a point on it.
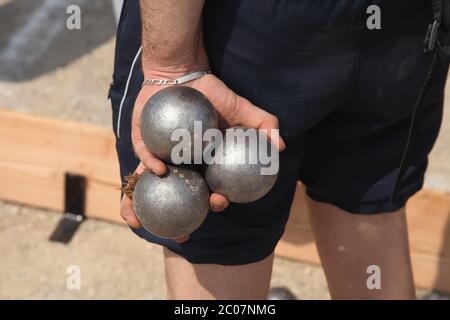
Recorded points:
(177, 107)
(280, 293)
(173, 205)
(235, 176)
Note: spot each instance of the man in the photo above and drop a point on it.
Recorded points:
(358, 110)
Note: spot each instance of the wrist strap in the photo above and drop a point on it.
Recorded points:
(183, 79)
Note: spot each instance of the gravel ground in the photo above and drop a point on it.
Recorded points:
(69, 80)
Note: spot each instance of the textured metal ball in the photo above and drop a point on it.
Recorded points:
(173, 108)
(238, 180)
(173, 205)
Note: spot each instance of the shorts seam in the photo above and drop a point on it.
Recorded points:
(370, 208)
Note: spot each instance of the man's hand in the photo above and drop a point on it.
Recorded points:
(172, 45)
(233, 110)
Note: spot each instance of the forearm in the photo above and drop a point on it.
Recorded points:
(172, 36)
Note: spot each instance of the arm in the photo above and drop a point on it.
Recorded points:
(172, 36)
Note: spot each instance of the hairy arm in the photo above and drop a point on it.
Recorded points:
(172, 36)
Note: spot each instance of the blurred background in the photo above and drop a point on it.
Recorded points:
(57, 78)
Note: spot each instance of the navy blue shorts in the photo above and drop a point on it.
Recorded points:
(359, 109)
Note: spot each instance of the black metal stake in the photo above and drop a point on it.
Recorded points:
(74, 208)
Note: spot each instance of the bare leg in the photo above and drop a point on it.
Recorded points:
(211, 281)
(348, 244)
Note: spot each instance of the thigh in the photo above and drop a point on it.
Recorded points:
(185, 280)
(354, 247)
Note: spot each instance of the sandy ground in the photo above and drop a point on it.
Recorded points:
(69, 80)
(114, 264)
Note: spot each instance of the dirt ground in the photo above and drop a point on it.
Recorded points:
(65, 74)
(113, 262)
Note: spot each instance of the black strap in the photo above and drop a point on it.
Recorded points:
(432, 45)
(440, 10)
(413, 129)
(436, 6)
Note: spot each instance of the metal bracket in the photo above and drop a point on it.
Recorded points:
(74, 207)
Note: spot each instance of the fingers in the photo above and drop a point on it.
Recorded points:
(127, 213)
(236, 110)
(252, 116)
(218, 202)
(149, 160)
(271, 125)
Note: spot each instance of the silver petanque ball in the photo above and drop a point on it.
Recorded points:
(171, 206)
(235, 175)
(173, 108)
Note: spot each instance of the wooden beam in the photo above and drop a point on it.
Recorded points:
(61, 145)
(36, 152)
(44, 187)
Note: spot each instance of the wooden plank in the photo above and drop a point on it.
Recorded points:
(44, 187)
(37, 151)
(103, 201)
(40, 150)
(32, 185)
(62, 145)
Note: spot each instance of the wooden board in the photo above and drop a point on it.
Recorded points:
(60, 145)
(44, 187)
(36, 152)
